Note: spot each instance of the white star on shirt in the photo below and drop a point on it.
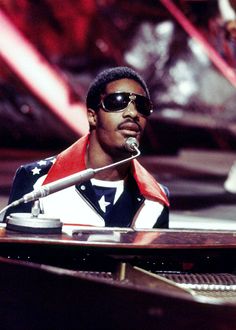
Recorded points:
(36, 170)
(42, 162)
(103, 204)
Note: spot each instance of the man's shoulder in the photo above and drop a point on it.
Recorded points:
(27, 175)
(37, 168)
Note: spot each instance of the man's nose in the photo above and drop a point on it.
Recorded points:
(130, 110)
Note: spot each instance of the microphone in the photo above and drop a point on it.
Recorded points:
(131, 144)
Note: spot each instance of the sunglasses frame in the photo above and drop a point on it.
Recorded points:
(132, 98)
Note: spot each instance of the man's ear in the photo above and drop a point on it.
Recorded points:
(92, 117)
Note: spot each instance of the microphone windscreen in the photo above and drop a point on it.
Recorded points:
(131, 144)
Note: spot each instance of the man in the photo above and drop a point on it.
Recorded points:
(118, 104)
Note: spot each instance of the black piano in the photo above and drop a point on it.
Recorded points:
(113, 278)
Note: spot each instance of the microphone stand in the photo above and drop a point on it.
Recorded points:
(35, 222)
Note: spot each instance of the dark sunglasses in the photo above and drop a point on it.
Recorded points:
(119, 101)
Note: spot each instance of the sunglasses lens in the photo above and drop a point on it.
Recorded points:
(143, 105)
(116, 101)
(119, 101)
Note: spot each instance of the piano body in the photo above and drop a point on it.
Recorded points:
(95, 278)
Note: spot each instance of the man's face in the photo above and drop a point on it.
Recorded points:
(113, 128)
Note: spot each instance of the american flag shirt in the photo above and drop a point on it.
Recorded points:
(142, 204)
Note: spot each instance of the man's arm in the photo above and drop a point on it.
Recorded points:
(23, 183)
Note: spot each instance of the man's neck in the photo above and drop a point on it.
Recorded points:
(96, 158)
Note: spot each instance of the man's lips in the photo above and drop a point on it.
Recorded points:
(130, 126)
